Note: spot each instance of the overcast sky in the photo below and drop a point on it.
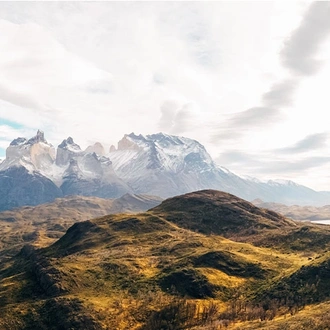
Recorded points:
(249, 80)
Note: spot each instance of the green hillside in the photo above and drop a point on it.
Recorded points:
(204, 260)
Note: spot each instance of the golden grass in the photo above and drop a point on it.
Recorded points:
(219, 278)
(117, 276)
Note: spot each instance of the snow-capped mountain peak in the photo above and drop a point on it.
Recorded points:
(69, 144)
(167, 151)
(157, 164)
(66, 150)
(161, 164)
(34, 154)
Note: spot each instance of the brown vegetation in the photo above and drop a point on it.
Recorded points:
(207, 261)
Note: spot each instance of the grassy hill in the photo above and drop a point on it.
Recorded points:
(204, 260)
(43, 224)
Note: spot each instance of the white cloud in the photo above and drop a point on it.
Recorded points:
(178, 119)
(98, 70)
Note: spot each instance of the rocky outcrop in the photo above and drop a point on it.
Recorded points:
(48, 278)
(66, 151)
(40, 137)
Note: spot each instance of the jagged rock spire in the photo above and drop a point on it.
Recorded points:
(40, 137)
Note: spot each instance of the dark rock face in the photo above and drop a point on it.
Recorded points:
(18, 141)
(40, 137)
(19, 187)
(66, 142)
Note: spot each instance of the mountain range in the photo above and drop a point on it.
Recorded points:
(33, 172)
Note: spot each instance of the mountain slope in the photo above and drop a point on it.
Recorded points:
(43, 224)
(87, 173)
(297, 212)
(20, 187)
(164, 165)
(132, 271)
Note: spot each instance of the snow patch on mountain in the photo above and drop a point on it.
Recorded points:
(164, 165)
(165, 152)
(279, 182)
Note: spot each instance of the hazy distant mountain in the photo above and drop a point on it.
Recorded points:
(158, 164)
(297, 212)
